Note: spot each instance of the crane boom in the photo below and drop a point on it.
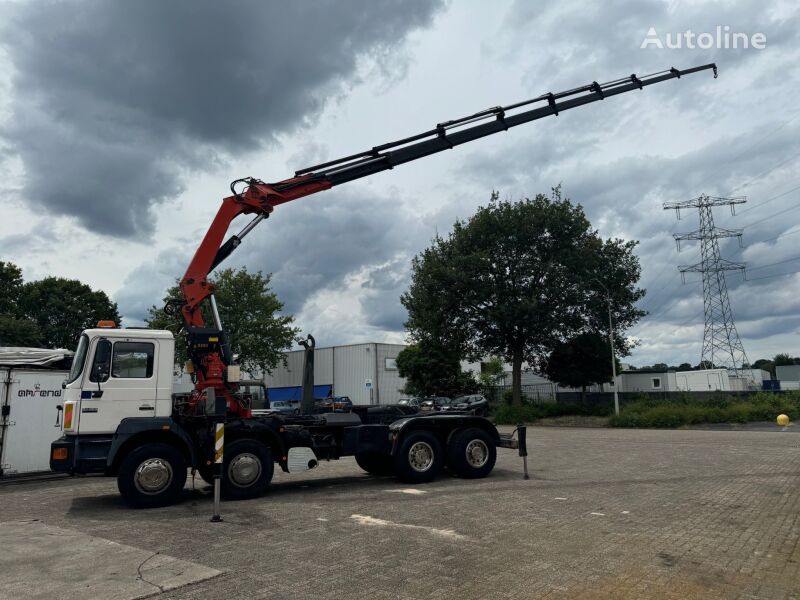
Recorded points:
(208, 347)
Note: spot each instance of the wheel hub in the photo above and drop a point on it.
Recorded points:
(420, 456)
(244, 469)
(153, 476)
(477, 453)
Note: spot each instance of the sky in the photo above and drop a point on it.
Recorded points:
(123, 123)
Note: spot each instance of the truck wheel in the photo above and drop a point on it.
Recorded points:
(419, 458)
(152, 475)
(376, 464)
(247, 469)
(471, 453)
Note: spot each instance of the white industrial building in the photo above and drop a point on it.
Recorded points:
(366, 373)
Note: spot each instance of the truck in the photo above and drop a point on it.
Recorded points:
(121, 420)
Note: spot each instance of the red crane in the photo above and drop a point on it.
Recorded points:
(208, 349)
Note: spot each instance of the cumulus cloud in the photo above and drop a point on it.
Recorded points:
(119, 99)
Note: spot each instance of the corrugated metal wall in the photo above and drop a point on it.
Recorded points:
(389, 381)
(353, 365)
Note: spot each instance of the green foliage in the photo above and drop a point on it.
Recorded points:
(18, 332)
(718, 409)
(767, 365)
(61, 308)
(433, 370)
(10, 287)
(15, 328)
(518, 278)
(580, 361)
(510, 414)
(491, 372)
(250, 317)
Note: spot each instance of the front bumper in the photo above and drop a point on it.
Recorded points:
(80, 454)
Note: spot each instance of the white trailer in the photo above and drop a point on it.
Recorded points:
(28, 418)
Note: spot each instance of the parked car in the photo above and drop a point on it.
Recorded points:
(342, 403)
(409, 402)
(282, 406)
(475, 404)
(435, 403)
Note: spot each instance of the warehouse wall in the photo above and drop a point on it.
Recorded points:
(389, 381)
(353, 365)
(347, 368)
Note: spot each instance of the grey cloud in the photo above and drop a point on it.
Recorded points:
(309, 246)
(316, 243)
(606, 37)
(380, 299)
(146, 285)
(119, 99)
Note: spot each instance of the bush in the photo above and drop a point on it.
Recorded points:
(646, 412)
(506, 414)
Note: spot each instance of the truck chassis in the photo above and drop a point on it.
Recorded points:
(151, 456)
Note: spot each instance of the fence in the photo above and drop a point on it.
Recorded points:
(549, 393)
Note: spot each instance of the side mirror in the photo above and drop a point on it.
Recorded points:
(101, 367)
(100, 372)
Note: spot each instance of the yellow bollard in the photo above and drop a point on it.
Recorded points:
(783, 420)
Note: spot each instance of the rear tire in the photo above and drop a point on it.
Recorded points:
(152, 475)
(246, 470)
(419, 458)
(376, 464)
(471, 453)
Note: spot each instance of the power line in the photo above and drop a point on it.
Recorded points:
(780, 212)
(752, 145)
(768, 200)
(776, 275)
(767, 172)
(780, 262)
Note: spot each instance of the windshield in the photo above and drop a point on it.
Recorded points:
(462, 400)
(78, 359)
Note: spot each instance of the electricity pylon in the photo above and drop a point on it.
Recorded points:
(721, 344)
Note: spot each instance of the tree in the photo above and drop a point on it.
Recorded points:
(10, 288)
(18, 332)
(492, 372)
(517, 279)
(580, 362)
(15, 328)
(783, 359)
(433, 370)
(249, 311)
(684, 367)
(62, 308)
(766, 364)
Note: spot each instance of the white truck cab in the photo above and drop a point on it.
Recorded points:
(118, 373)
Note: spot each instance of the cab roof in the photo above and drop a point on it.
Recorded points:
(138, 334)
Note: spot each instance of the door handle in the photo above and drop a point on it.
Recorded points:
(146, 407)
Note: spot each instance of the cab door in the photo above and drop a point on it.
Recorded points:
(121, 382)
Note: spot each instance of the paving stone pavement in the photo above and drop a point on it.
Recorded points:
(607, 514)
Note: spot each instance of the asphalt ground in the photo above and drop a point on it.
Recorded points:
(607, 513)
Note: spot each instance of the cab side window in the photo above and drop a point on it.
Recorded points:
(132, 360)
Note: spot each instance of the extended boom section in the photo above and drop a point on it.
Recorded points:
(208, 348)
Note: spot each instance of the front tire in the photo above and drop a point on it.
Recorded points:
(247, 469)
(471, 453)
(152, 475)
(419, 458)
